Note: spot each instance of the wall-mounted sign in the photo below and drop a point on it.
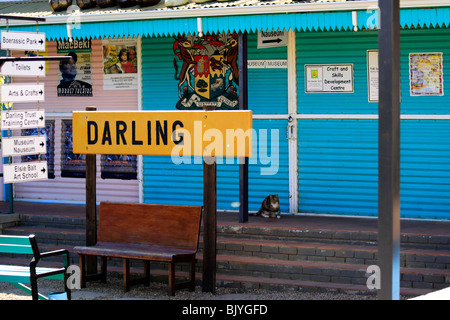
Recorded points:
(372, 75)
(29, 41)
(425, 70)
(185, 133)
(267, 64)
(270, 39)
(332, 78)
(207, 71)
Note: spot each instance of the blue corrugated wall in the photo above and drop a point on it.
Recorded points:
(338, 158)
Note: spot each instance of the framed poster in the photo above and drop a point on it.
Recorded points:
(426, 74)
(75, 75)
(329, 78)
(372, 75)
(120, 65)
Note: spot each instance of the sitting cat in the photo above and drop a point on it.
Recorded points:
(270, 207)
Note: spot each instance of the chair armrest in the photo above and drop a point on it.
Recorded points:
(52, 253)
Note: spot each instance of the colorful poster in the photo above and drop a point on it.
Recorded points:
(75, 75)
(120, 64)
(426, 75)
(206, 69)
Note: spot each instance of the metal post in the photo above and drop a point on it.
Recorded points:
(243, 105)
(209, 221)
(389, 150)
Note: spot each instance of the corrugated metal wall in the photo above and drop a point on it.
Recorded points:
(58, 108)
(338, 157)
(166, 182)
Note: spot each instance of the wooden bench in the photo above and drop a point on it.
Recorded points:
(21, 275)
(146, 232)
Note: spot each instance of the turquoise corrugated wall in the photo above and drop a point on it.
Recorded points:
(165, 182)
(338, 158)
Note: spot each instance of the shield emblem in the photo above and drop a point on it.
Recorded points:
(209, 76)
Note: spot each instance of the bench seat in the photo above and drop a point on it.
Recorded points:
(136, 251)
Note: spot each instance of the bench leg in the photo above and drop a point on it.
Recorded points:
(171, 278)
(192, 276)
(82, 272)
(147, 273)
(103, 268)
(126, 275)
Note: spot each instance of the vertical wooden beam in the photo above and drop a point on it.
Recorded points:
(91, 206)
(243, 105)
(209, 222)
(389, 150)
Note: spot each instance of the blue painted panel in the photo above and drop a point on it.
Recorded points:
(338, 167)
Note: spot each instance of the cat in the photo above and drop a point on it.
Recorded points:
(270, 207)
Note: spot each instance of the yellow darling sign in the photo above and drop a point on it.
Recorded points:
(176, 133)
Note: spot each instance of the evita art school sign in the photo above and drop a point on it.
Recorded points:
(207, 72)
(75, 75)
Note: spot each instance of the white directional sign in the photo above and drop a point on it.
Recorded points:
(271, 39)
(23, 68)
(22, 119)
(22, 92)
(30, 41)
(26, 145)
(27, 171)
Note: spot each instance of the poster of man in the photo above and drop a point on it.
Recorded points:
(75, 75)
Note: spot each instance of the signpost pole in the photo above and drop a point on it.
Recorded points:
(91, 206)
(389, 150)
(209, 221)
(243, 105)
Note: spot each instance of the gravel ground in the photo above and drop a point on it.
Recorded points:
(113, 290)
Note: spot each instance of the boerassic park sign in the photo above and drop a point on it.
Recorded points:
(175, 133)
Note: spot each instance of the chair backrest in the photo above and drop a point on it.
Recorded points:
(16, 244)
(164, 225)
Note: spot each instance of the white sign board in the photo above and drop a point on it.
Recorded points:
(267, 64)
(22, 119)
(329, 78)
(22, 172)
(372, 75)
(23, 68)
(22, 92)
(272, 39)
(29, 41)
(26, 145)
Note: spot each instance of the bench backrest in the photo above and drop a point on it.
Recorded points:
(16, 244)
(163, 225)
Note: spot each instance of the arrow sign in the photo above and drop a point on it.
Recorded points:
(23, 68)
(22, 172)
(25, 145)
(22, 92)
(271, 39)
(30, 41)
(22, 119)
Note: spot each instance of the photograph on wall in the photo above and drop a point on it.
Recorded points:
(119, 166)
(72, 165)
(120, 65)
(206, 71)
(49, 132)
(75, 74)
(426, 74)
